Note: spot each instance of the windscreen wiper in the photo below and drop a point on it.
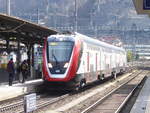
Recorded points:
(54, 57)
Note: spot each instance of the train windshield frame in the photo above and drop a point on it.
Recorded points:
(59, 51)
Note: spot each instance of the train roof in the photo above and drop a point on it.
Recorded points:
(90, 40)
(98, 42)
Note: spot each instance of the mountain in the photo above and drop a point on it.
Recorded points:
(101, 12)
(60, 14)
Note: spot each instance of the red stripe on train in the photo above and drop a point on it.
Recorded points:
(73, 66)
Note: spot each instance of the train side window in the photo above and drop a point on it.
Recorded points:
(88, 61)
(83, 63)
(96, 62)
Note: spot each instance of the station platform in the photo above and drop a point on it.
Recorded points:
(142, 103)
(18, 89)
(3, 76)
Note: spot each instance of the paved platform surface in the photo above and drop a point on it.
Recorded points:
(7, 92)
(142, 104)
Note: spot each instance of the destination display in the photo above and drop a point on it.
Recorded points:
(146, 4)
(142, 6)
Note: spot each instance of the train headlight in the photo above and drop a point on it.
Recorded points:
(66, 65)
(50, 65)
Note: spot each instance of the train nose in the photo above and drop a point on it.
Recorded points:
(58, 68)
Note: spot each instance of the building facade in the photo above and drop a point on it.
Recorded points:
(143, 51)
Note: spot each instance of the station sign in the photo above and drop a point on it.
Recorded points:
(146, 4)
(142, 6)
(30, 103)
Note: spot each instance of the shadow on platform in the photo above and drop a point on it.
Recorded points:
(3, 76)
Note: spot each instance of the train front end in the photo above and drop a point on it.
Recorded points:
(60, 58)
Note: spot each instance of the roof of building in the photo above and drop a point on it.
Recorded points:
(14, 28)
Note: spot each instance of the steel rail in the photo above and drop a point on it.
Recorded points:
(39, 106)
(48, 102)
(129, 96)
(13, 105)
(106, 96)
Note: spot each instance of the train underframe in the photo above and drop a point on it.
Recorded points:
(80, 80)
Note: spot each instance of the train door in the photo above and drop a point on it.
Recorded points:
(96, 62)
(110, 61)
(88, 62)
(100, 61)
(104, 63)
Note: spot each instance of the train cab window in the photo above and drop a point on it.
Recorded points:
(59, 51)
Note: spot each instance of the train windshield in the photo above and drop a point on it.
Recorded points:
(59, 51)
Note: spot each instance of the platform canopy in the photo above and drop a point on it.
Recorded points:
(13, 28)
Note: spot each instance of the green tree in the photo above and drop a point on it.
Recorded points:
(129, 56)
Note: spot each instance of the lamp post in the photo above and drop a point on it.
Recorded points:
(134, 28)
(8, 7)
(76, 14)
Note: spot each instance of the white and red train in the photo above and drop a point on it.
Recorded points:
(76, 59)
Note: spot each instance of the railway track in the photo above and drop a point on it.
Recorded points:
(66, 107)
(114, 101)
(18, 107)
